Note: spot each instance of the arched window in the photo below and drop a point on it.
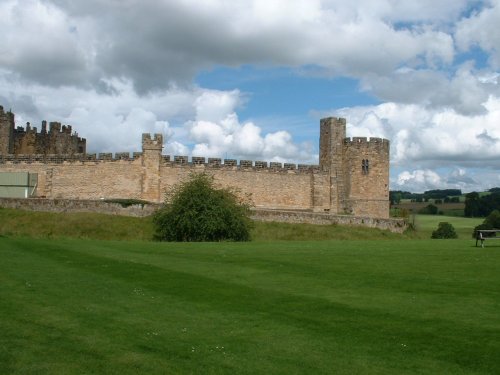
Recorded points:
(365, 166)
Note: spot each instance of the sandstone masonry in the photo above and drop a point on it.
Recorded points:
(20, 141)
(352, 176)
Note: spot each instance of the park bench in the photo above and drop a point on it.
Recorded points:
(487, 234)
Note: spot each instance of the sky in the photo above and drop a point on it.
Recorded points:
(250, 79)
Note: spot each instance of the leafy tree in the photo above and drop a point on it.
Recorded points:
(444, 230)
(430, 209)
(472, 204)
(195, 210)
(477, 206)
(492, 221)
(395, 197)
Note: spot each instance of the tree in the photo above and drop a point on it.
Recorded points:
(444, 230)
(492, 221)
(477, 205)
(195, 210)
(472, 204)
(430, 209)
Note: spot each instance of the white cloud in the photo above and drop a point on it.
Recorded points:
(424, 136)
(481, 29)
(206, 121)
(157, 43)
(420, 180)
(227, 137)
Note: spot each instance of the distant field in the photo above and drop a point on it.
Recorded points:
(449, 209)
(311, 307)
(464, 226)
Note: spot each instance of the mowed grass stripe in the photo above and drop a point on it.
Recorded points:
(146, 306)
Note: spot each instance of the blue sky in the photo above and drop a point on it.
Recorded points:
(250, 79)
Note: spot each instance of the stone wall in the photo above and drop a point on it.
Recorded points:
(270, 188)
(141, 178)
(284, 216)
(71, 205)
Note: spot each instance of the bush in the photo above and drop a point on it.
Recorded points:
(444, 230)
(195, 210)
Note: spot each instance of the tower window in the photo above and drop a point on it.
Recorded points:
(365, 166)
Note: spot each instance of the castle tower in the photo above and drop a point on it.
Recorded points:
(6, 132)
(357, 171)
(367, 167)
(151, 159)
(331, 159)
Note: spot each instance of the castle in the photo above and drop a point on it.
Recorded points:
(20, 141)
(352, 176)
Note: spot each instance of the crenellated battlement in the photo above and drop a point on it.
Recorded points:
(166, 161)
(179, 161)
(372, 142)
(154, 142)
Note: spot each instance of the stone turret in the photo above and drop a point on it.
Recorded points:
(151, 161)
(357, 169)
(59, 140)
(6, 132)
(331, 159)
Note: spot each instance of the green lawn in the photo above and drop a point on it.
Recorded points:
(464, 226)
(326, 307)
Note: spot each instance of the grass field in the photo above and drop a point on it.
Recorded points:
(464, 226)
(395, 306)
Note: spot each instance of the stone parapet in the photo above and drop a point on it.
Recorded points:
(296, 216)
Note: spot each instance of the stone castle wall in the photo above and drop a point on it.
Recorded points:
(352, 177)
(142, 178)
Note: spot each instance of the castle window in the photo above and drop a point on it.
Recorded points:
(365, 166)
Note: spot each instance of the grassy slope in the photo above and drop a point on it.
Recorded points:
(107, 227)
(73, 225)
(345, 307)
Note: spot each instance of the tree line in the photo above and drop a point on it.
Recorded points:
(477, 205)
(445, 195)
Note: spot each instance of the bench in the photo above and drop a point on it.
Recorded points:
(487, 234)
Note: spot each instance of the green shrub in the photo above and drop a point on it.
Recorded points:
(444, 230)
(195, 210)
